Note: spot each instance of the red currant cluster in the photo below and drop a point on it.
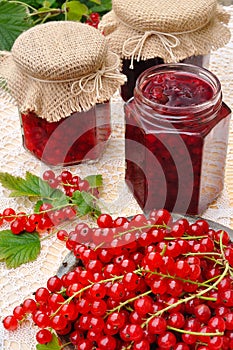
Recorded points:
(68, 182)
(93, 19)
(48, 216)
(40, 222)
(157, 283)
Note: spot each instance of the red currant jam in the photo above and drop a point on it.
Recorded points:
(176, 138)
(140, 66)
(80, 137)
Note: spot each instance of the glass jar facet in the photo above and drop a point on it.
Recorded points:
(80, 137)
(175, 154)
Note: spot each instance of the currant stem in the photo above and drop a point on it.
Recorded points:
(64, 345)
(48, 12)
(139, 229)
(203, 254)
(208, 298)
(219, 262)
(231, 273)
(41, 212)
(57, 208)
(23, 4)
(221, 246)
(128, 347)
(210, 334)
(200, 284)
(132, 230)
(54, 231)
(185, 238)
(181, 301)
(115, 278)
(163, 250)
(117, 308)
(112, 279)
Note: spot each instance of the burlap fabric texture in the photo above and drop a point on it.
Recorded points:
(58, 68)
(172, 30)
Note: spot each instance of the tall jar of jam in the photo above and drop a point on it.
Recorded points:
(146, 33)
(176, 138)
(62, 76)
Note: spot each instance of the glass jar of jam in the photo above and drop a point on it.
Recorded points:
(146, 33)
(176, 138)
(80, 137)
(62, 76)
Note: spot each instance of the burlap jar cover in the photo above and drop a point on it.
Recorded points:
(61, 67)
(172, 30)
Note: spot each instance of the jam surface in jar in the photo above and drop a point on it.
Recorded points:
(140, 66)
(176, 141)
(80, 137)
(177, 89)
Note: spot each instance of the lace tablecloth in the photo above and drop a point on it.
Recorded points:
(18, 284)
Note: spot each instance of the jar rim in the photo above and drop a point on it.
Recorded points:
(200, 72)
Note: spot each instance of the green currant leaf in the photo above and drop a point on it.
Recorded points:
(19, 186)
(16, 250)
(83, 207)
(33, 3)
(103, 7)
(31, 186)
(60, 201)
(36, 185)
(46, 3)
(75, 10)
(37, 206)
(53, 345)
(13, 21)
(94, 180)
(85, 203)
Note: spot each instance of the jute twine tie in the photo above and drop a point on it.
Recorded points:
(96, 77)
(168, 40)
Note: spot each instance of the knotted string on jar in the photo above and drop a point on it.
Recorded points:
(133, 46)
(94, 79)
(109, 72)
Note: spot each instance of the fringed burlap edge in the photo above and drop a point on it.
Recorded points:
(4, 90)
(54, 100)
(130, 43)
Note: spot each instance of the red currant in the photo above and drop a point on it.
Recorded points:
(10, 323)
(44, 336)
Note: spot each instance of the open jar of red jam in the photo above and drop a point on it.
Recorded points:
(176, 138)
(145, 33)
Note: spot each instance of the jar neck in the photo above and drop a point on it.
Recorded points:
(191, 116)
